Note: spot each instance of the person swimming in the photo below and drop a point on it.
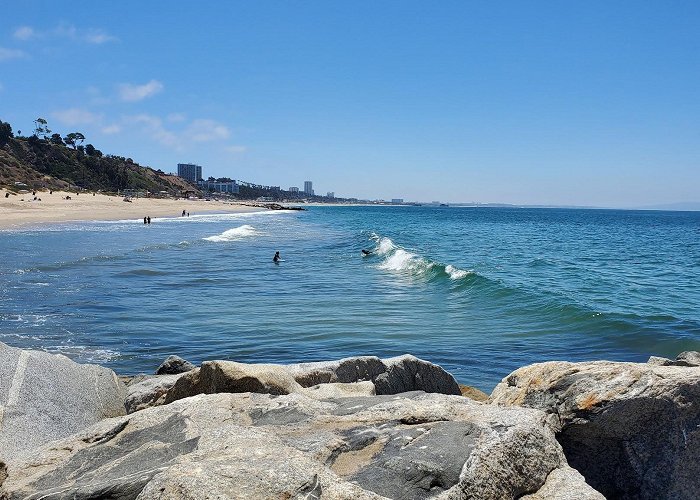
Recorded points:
(276, 258)
(366, 252)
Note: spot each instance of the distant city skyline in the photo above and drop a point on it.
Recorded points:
(587, 104)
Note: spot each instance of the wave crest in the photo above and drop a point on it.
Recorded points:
(235, 233)
(399, 259)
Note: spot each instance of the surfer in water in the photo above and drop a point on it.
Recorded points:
(365, 253)
(277, 257)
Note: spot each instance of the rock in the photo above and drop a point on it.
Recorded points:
(340, 390)
(631, 429)
(44, 397)
(174, 365)
(473, 393)
(376, 376)
(228, 376)
(390, 376)
(565, 484)
(148, 391)
(688, 358)
(656, 360)
(247, 445)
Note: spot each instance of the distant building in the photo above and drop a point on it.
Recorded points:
(219, 187)
(189, 171)
(397, 200)
(293, 189)
(330, 194)
(309, 187)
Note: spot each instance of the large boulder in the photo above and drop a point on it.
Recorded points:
(145, 391)
(632, 429)
(247, 445)
(228, 376)
(390, 376)
(44, 397)
(366, 375)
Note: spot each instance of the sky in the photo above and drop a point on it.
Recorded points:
(559, 103)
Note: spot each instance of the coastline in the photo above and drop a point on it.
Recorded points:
(20, 210)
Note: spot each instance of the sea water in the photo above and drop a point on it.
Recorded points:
(480, 291)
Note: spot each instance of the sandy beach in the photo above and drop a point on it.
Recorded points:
(20, 210)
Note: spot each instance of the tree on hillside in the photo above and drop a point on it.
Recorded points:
(74, 139)
(56, 139)
(90, 149)
(41, 128)
(5, 132)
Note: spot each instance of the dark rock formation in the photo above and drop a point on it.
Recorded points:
(174, 365)
(390, 376)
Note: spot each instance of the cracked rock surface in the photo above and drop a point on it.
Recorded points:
(248, 445)
(631, 429)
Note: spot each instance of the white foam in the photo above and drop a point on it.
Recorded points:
(456, 273)
(385, 246)
(235, 233)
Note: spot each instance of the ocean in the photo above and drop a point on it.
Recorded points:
(479, 291)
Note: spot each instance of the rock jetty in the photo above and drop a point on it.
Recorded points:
(356, 428)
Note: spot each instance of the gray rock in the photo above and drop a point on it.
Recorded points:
(688, 358)
(340, 390)
(247, 445)
(228, 376)
(565, 484)
(174, 365)
(390, 376)
(659, 361)
(631, 429)
(44, 397)
(148, 391)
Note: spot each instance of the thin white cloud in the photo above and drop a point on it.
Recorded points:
(98, 37)
(75, 116)
(24, 33)
(176, 117)
(198, 131)
(131, 93)
(154, 126)
(65, 31)
(111, 129)
(9, 54)
(203, 130)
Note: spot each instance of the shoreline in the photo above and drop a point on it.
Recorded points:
(20, 211)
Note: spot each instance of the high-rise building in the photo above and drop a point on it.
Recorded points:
(293, 189)
(330, 194)
(189, 171)
(309, 187)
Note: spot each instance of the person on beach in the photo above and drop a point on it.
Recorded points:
(276, 258)
(148, 219)
(145, 221)
(183, 213)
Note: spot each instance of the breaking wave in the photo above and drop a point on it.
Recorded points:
(400, 260)
(233, 234)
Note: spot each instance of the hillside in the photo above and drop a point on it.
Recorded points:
(50, 164)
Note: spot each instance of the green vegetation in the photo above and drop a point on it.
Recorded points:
(44, 160)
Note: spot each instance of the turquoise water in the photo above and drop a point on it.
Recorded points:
(480, 291)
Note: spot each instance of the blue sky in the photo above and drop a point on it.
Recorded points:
(583, 103)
